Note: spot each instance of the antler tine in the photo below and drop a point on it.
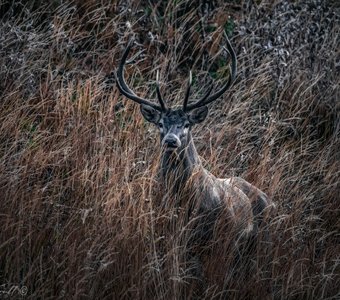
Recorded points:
(206, 95)
(206, 99)
(159, 95)
(187, 94)
(123, 87)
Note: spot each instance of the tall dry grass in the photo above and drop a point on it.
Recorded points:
(80, 214)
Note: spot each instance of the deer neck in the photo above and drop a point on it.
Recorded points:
(177, 167)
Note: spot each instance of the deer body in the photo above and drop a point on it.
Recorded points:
(185, 179)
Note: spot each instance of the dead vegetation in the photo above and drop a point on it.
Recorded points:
(79, 216)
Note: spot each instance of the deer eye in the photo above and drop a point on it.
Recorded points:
(187, 125)
(160, 125)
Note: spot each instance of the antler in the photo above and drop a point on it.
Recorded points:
(127, 92)
(158, 91)
(206, 99)
(187, 94)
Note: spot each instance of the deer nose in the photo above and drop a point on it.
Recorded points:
(171, 140)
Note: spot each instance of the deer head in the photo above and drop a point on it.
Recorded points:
(175, 124)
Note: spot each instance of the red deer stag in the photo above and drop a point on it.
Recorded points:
(181, 170)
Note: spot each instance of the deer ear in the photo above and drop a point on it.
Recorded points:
(150, 114)
(198, 115)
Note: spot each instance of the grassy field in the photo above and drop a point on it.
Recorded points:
(81, 216)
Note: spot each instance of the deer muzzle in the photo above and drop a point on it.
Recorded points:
(171, 141)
